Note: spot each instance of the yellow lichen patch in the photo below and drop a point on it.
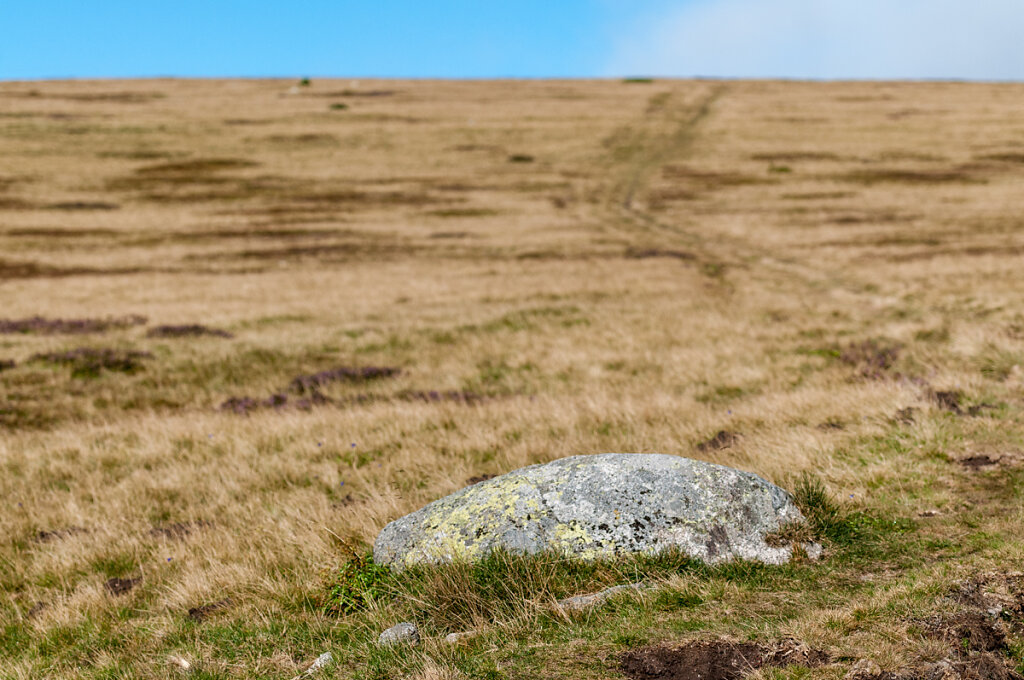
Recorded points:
(572, 537)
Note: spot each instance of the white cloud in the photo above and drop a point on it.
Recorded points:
(976, 39)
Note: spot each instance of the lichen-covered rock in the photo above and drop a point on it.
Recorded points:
(598, 506)
(402, 633)
(581, 603)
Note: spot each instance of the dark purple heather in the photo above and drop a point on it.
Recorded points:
(89, 362)
(458, 396)
(245, 405)
(38, 324)
(309, 383)
(279, 401)
(186, 331)
(6, 364)
(873, 359)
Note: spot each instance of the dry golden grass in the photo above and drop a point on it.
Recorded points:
(678, 258)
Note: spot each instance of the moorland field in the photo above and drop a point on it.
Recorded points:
(244, 324)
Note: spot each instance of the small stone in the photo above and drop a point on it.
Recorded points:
(814, 550)
(180, 662)
(865, 668)
(453, 638)
(403, 633)
(322, 661)
(941, 670)
(582, 602)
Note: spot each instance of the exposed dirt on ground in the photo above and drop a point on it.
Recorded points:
(978, 462)
(201, 613)
(58, 534)
(120, 586)
(723, 440)
(971, 631)
(715, 660)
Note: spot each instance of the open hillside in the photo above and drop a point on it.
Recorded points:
(245, 324)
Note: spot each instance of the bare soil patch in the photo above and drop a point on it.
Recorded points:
(59, 534)
(724, 439)
(201, 613)
(120, 586)
(971, 631)
(978, 462)
(715, 660)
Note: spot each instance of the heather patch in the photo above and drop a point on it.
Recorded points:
(306, 384)
(434, 396)
(43, 326)
(871, 358)
(6, 364)
(278, 401)
(28, 269)
(649, 253)
(87, 362)
(186, 331)
(244, 405)
(82, 205)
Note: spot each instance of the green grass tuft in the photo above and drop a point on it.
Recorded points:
(357, 583)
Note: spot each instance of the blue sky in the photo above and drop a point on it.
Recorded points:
(977, 39)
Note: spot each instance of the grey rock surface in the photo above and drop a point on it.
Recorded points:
(322, 662)
(402, 633)
(455, 638)
(583, 602)
(598, 506)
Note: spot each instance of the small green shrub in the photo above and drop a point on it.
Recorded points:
(359, 581)
(338, 106)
